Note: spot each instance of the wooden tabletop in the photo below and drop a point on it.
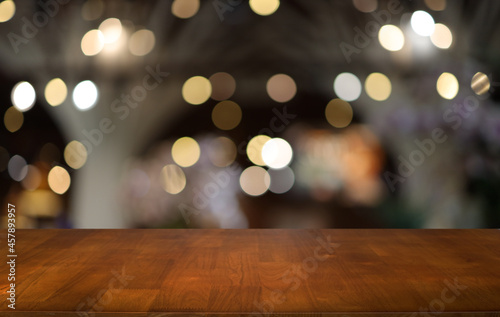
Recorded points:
(240, 272)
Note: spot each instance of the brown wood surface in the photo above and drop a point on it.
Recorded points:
(236, 272)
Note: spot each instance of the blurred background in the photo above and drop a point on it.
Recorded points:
(259, 114)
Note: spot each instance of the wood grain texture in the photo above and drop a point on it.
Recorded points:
(240, 272)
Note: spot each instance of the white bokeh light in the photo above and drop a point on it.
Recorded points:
(85, 95)
(347, 86)
(277, 153)
(23, 96)
(422, 23)
(111, 30)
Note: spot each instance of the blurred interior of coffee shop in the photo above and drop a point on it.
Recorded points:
(250, 114)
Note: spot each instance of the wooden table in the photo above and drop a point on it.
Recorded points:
(241, 272)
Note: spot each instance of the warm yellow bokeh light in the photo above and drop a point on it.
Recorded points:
(442, 37)
(7, 10)
(339, 113)
(33, 178)
(13, 119)
(185, 9)
(141, 42)
(92, 42)
(365, 5)
(222, 152)
(75, 154)
(59, 180)
(186, 151)
(436, 5)
(254, 149)
(226, 115)
(111, 29)
(223, 86)
(56, 92)
(173, 179)
(264, 7)
(447, 86)
(196, 90)
(480, 83)
(391, 37)
(378, 86)
(254, 181)
(281, 88)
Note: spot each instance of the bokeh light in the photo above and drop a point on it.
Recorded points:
(391, 38)
(339, 113)
(254, 149)
(7, 10)
(92, 43)
(186, 151)
(277, 153)
(33, 178)
(442, 37)
(185, 9)
(365, 5)
(447, 86)
(196, 90)
(264, 7)
(422, 23)
(173, 179)
(17, 168)
(378, 86)
(282, 180)
(111, 29)
(226, 115)
(223, 86)
(13, 119)
(92, 10)
(23, 96)
(141, 42)
(281, 88)
(436, 5)
(75, 154)
(59, 180)
(347, 86)
(222, 151)
(85, 95)
(56, 92)
(254, 181)
(480, 83)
